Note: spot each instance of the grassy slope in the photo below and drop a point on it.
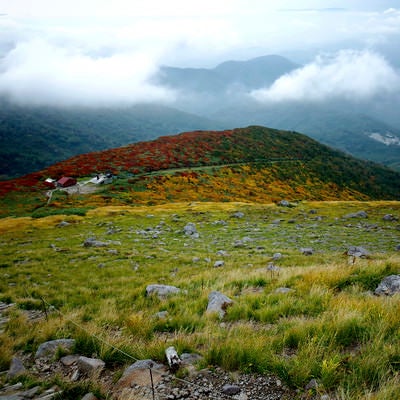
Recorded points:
(329, 327)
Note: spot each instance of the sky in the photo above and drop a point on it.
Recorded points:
(103, 52)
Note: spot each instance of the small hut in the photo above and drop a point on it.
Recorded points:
(66, 181)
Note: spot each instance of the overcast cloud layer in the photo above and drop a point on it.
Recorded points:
(98, 52)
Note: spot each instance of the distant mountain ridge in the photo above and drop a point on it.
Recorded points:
(250, 74)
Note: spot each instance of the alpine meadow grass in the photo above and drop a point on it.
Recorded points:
(313, 317)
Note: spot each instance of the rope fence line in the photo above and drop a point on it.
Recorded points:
(151, 369)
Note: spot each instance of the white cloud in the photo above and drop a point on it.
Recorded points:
(349, 74)
(41, 73)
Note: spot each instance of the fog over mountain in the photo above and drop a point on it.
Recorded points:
(302, 65)
(95, 53)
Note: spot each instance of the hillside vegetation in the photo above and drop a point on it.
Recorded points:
(49, 135)
(253, 164)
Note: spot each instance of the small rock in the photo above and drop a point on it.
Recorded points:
(358, 214)
(238, 214)
(190, 230)
(284, 203)
(219, 263)
(162, 314)
(162, 291)
(16, 368)
(389, 286)
(283, 290)
(313, 384)
(218, 302)
(389, 217)
(307, 251)
(49, 349)
(89, 396)
(63, 224)
(30, 393)
(69, 360)
(230, 390)
(90, 366)
(357, 251)
(92, 242)
(277, 256)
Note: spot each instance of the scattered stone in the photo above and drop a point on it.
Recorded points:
(92, 242)
(219, 263)
(307, 251)
(238, 214)
(398, 247)
(69, 360)
(389, 286)
(162, 291)
(63, 224)
(173, 359)
(389, 217)
(358, 214)
(283, 290)
(30, 393)
(190, 230)
(89, 396)
(357, 251)
(90, 366)
(277, 256)
(49, 349)
(312, 385)
(161, 315)
(230, 390)
(218, 302)
(139, 373)
(16, 368)
(284, 203)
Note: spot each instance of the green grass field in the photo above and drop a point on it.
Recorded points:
(330, 326)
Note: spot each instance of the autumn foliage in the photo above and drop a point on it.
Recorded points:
(248, 164)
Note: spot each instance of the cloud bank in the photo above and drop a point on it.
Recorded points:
(40, 73)
(349, 74)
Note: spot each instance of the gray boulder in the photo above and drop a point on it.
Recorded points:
(161, 291)
(90, 366)
(238, 214)
(389, 286)
(357, 251)
(16, 368)
(92, 242)
(307, 251)
(190, 230)
(389, 217)
(139, 373)
(49, 349)
(230, 390)
(219, 263)
(358, 214)
(218, 302)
